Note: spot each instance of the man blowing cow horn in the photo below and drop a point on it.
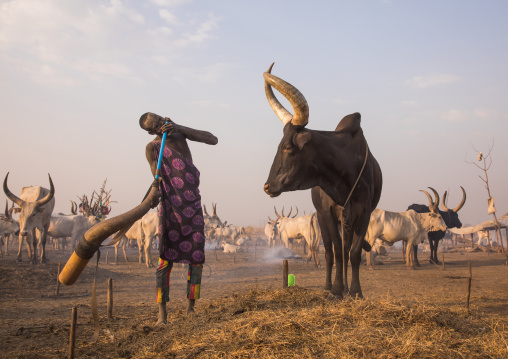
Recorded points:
(344, 176)
(181, 232)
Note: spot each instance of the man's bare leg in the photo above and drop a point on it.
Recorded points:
(190, 306)
(163, 315)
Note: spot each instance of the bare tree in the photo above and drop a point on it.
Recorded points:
(486, 159)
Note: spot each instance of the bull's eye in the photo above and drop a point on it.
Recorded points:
(287, 148)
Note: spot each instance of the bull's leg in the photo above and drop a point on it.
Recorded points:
(369, 263)
(409, 256)
(20, 239)
(123, 250)
(328, 244)
(436, 245)
(404, 245)
(415, 255)
(148, 258)
(140, 250)
(34, 246)
(433, 251)
(356, 258)
(44, 235)
(116, 250)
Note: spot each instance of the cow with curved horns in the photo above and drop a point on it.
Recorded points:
(411, 226)
(36, 204)
(8, 226)
(450, 217)
(345, 178)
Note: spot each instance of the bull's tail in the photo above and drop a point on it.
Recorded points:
(315, 239)
(366, 245)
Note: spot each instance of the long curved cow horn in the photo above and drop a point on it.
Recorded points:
(461, 204)
(278, 215)
(431, 202)
(74, 208)
(49, 196)
(436, 202)
(291, 93)
(11, 195)
(290, 210)
(204, 211)
(93, 238)
(296, 214)
(6, 208)
(214, 209)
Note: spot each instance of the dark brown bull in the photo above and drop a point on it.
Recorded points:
(329, 162)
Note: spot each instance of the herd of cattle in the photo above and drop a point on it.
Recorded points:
(36, 221)
(345, 181)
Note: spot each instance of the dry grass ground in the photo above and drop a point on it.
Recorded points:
(245, 313)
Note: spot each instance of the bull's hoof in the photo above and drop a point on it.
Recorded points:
(357, 295)
(418, 264)
(434, 261)
(334, 297)
(18, 259)
(328, 286)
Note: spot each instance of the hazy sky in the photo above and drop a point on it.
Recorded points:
(430, 79)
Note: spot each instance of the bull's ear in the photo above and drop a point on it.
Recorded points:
(301, 138)
(17, 209)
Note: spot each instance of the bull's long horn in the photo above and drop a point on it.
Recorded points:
(278, 215)
(93, 238)
(290, 210)
(49, 196)
(11, 195)
(74, 208)
(436, 202)
(6, 208)
(296, 214)
(291, 93)
(461, 204)
(214, 209)
(431, 203)
(204, 211)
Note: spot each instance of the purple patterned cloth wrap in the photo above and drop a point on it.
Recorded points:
(181, 225)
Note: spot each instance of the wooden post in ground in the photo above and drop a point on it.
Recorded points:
(57, 281)
(443, 262)
(72, 340)
(110, 298)
(107, 255)
(234, 258)
(285, 272)
(469, 286)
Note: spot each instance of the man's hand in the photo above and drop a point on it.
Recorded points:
(170, 127)
(155, 194)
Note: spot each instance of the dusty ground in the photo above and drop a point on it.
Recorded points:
(34, 322)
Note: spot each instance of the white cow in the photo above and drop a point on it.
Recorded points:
(231, 248)
(8, 227)
(228, 233)
(149, 229)
(35, 207)
(134, 233)
(303, 227)
(378, 249)
(211, 221)
(392, 227)
(271, 232)
(73, 226)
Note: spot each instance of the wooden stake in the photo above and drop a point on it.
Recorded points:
(107, 255)
(234, 258)
(443, 262)
(285, 272)
(469, 286)
(72, 340)
(57, 281)
(110, 298)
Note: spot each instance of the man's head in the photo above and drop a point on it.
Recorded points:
(152, 123)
